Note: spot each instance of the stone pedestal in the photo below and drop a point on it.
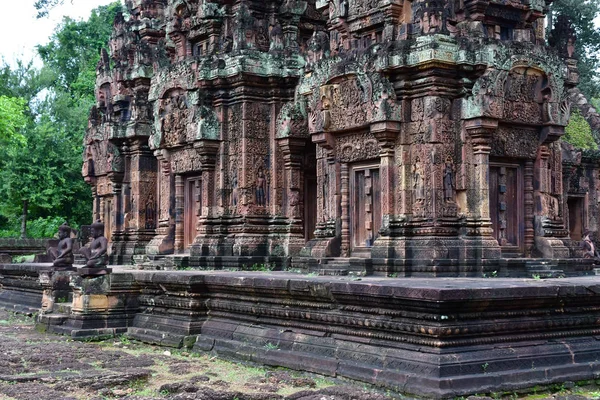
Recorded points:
(102, 306)
(55, 285)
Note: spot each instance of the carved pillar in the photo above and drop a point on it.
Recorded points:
(96, 204)
(143, 178)
(125, 203)
(480, 131)
(162, 243)
(179, 213)
(548, 219)
(208, 151)
(345, 204)
(101, 211)
(117, 208)
(392, 14)
(386, 133)
(293, 148)
(529, 212)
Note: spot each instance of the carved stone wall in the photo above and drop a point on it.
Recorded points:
(296, 121)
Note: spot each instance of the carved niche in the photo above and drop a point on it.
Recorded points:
(174, 118)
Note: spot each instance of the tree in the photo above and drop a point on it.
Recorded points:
(12, 120)
(48, 171)
(44, 6)
(582, 13)
(579, 133)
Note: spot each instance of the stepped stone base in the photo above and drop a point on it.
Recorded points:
(437, 338)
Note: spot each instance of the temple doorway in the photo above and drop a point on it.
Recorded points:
(507, 207)
(365, 208)
(310, 191)
(576, 225)
(192, 209)
(107, 218)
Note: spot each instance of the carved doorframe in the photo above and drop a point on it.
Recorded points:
(348, 190)
(502, 206)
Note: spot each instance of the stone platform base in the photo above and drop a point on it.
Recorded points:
(437, 338)
(433, 337)
(503, 267)
(22, 289)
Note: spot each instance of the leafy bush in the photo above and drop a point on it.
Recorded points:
(39, 228)
(579, 132)
(44, 227)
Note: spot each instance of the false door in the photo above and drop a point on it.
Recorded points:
(192, 208)
(507, 207)
(365, 207)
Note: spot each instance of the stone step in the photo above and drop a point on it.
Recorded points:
(62, 308)
(545, 273)
(333, 272)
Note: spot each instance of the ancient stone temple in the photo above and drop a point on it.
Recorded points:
(421, 133)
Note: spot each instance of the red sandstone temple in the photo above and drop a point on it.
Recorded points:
(387, 136)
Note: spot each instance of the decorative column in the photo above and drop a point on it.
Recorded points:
(479, 223)
(179, 214)
(549, 224)
(386, 133)
(208, 151)
(293, 148)
(529, 210)
(345, 203)
(162, 243)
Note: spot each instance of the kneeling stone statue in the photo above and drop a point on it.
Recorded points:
(62, 255)
(96, 253)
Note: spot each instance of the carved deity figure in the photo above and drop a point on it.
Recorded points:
(243, 29)
(449, 181)
(418, 181)
(261, 188)
(276, 38)
(234, 191)
(62, 254)
(150, 213)
(318, 46)
(96, 253)
(589, 249)
(87, 169)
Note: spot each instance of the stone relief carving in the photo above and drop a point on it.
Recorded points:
(515, 142)
(356, 147)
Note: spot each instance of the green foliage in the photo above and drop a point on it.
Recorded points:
(579, 133)
(43, 161)
(43, 7)
(582, 14)
(71, 56)
(12, 120)
(44, 227)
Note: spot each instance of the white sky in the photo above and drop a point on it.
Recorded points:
(21, 31)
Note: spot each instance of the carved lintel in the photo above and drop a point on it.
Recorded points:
(324, 139)
(481, 131)
(386, 132)
(293, 149)
(551, 133)
(208, 151)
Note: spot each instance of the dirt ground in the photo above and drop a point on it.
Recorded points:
(36, 366)
(48, 367)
